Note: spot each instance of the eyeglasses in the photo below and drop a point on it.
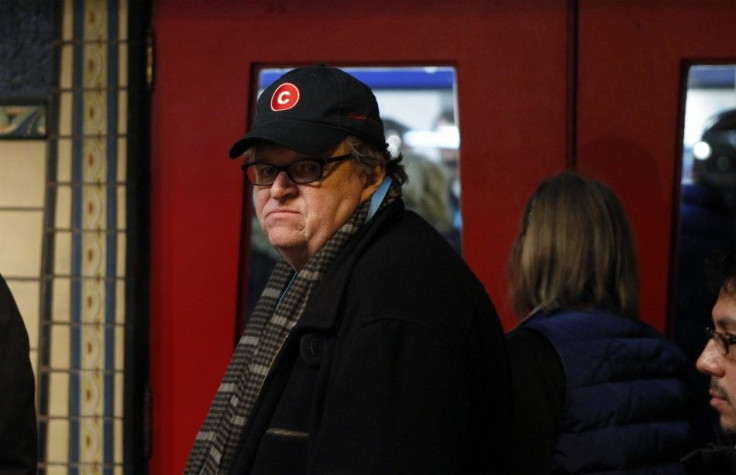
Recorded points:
(302, 171)
(722, 340)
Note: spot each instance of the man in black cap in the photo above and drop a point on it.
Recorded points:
(373, 348)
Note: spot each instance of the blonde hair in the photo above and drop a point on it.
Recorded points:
(575, 250)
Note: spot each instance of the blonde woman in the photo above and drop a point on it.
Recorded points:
(596, 389)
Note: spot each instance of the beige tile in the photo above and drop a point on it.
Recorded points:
(122, 160)
(58, 469)
(123, 62)
(67, 29)
(61, 302)
(123, 19)
(27, 295)
(20, 243)
(120, 301)
(67, 59)
(122, 218)
(119, 391)
(22, 172)
(122, 113)
(60, 347)
(63, 253)
(119, 348)
(63, 212)
(118, 449)
(59, 394)
(120, 264)
(57, 447)
(65, 114)
(64, 163)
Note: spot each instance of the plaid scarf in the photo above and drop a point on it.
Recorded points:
(278, 310)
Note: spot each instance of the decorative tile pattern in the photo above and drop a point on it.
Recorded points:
(27, 122)
(63, 218)
(83, 323)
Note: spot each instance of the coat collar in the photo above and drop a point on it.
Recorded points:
(322, 312)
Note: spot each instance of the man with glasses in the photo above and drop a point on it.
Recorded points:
(718, 360)
(373, 348)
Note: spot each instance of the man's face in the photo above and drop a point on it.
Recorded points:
(299, 219)
(722, 368)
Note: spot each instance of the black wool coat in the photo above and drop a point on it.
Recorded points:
(398, 365)
(18, 431)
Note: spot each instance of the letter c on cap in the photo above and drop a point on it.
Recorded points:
(284, 97)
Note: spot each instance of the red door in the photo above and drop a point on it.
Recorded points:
(510, 59)
(632, 64)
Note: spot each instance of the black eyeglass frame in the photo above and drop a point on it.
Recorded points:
(722, 340)
(286, 168)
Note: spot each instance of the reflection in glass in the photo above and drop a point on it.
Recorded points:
(707, 217)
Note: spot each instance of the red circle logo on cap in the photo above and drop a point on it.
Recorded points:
(284, 97)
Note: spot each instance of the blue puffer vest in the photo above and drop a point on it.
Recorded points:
(626, 407)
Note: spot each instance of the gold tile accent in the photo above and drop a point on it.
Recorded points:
(95, 257)
(20, 243)
(22, 172)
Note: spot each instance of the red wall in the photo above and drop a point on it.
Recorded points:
(510, 58)
(518, 121)
(518, 118)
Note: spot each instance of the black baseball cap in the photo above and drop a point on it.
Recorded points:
(313, 108)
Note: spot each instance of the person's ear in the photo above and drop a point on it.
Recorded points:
(373, 180)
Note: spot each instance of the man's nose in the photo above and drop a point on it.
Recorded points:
(282, 184)
(710, 360)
